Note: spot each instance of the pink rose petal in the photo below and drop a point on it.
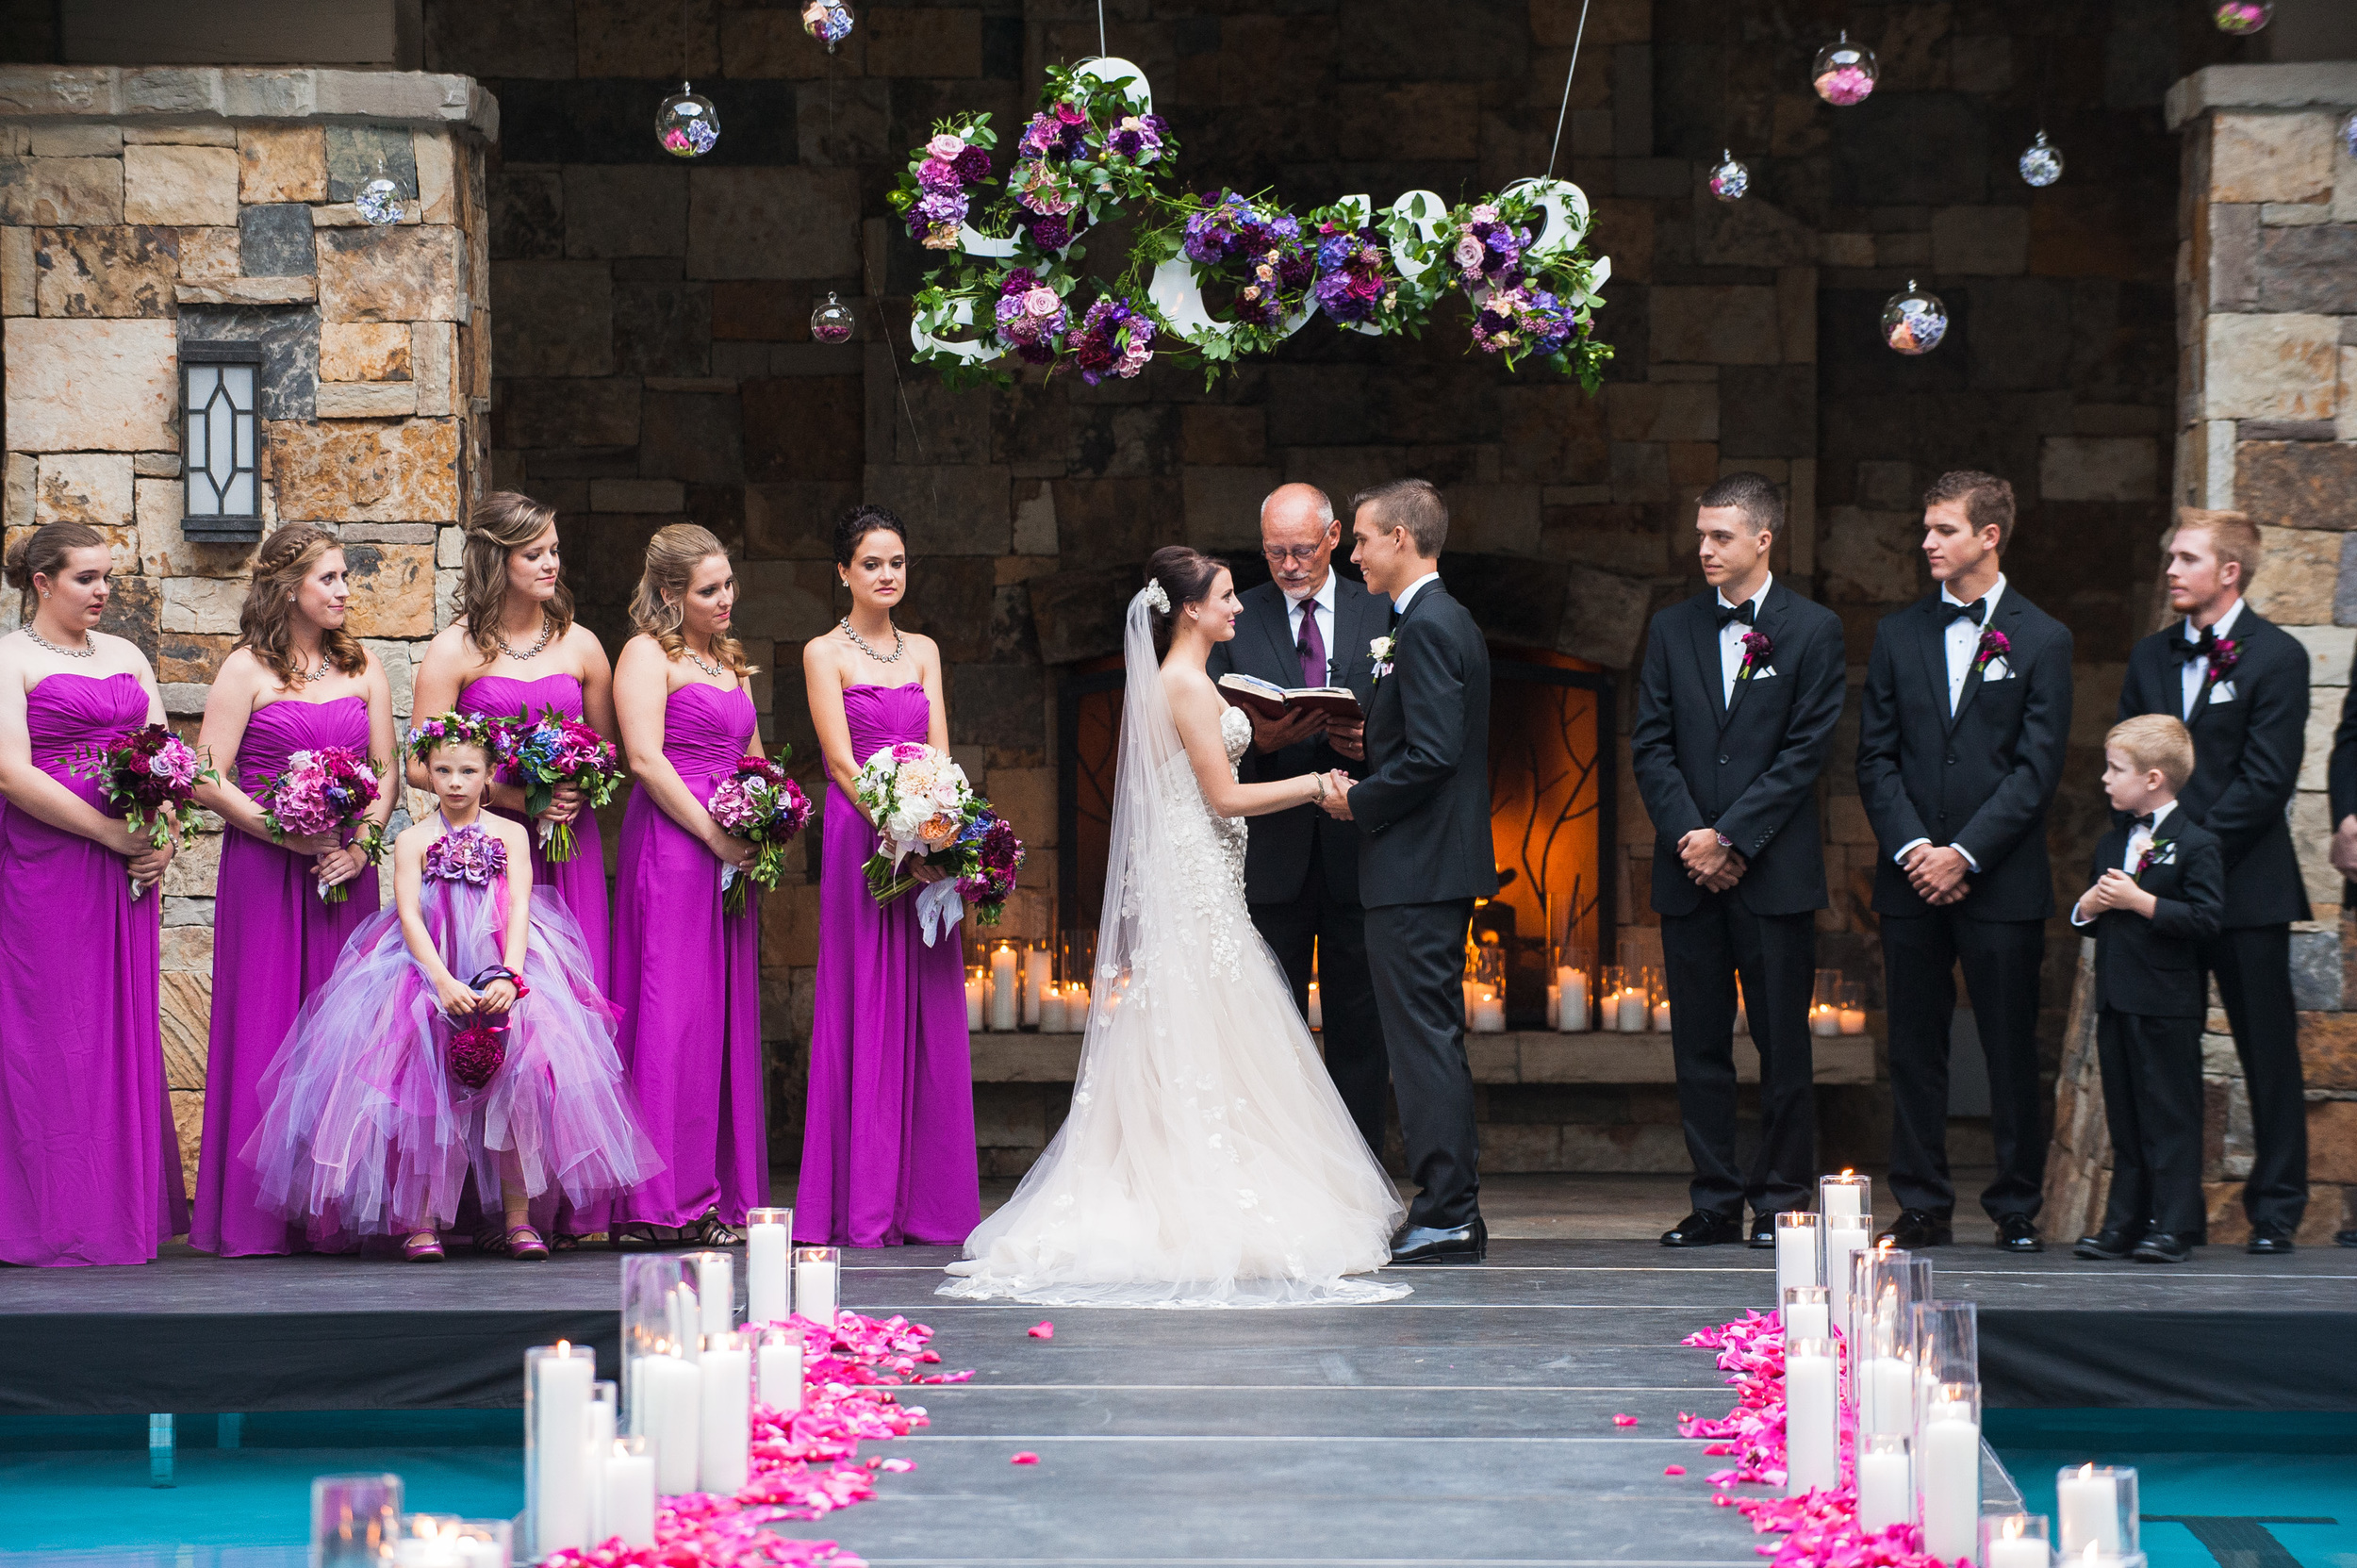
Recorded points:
(1026, 1457)
(1673, 1470)
(1042, 1331)
(1625, 1421)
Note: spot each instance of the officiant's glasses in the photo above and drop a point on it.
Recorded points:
(1279, 554)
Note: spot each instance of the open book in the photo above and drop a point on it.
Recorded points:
(1269, 701)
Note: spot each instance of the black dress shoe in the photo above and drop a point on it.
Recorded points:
(2107, 1246)
(2164, 1247)
(1762, 1235)
(2344, 1238)
(1705, 1228)
(2269, 1241)
(2019, 1233)
(1425, 1243)
(1917, 1228)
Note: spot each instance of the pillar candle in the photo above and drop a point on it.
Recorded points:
(1812, 1418)
(1846, 1194)
(769, 1280)
(1633, 1010)
(1489, 1013)
(1661, 1018)
(673, 1390)
(815, 1285)
(1608, 1011)
(1051, 1012)
(1035, 983)
(2015, 1540)
(1470, 991)
(1555, 1005)
(779, 1368)
(1845, 1235)
(1076, 1002)
(1886, 1404)
(973, 1001)
(724, 1436)
(1005, 1000)
(1951, 1480)
(1574, 984)
(2087, 1512)
(1884, 1498)
(715, 1290)
(1824, 1020)
(1797, 1232)
(561, 1375)
(596, 1441)
(1805, 1314)
(688, 1322)
(1317, 1007)
(628, 1488)
(1854, 1020)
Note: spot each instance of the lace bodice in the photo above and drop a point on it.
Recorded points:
(1207, 850)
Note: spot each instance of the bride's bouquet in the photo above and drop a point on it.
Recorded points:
(925, 810)
(552, 750)
(151, 776)
(760, 804)
(326, 790)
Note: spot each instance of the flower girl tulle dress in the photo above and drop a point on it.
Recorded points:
(369, 1134)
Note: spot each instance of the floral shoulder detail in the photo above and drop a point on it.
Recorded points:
(466, 854)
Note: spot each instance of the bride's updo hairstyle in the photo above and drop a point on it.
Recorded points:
(852, 528)
(1186, 577)
(42, 553)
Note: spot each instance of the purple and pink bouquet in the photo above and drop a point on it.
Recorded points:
(1523, 320)
(1257, 249)
(325, 791)
(993, 856)
(924, 809)
(933, 194)
(759, 804)
(151, 776)
(1117, 339)
(1353, 273)
(542, 753)
(1031, 317)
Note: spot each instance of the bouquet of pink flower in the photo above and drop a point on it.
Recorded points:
(542, 753)
(760, 804)
(924, 809)
(151, 776)
(325, 791)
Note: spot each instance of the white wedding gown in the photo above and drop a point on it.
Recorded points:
(1207, 1159)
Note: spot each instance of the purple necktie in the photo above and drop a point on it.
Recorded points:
(1312, 646)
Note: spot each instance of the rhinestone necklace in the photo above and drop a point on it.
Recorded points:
(327, 665)
(716, 671)
(899, 644)
(88, 651)
(547, 629)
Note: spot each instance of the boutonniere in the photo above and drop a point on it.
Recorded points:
(2157, 852)
(2223, 658)
(1758, 650)
(1993, 646)
(1379, 651)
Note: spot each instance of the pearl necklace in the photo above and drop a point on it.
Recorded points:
(547, 629)
(88, 651)
(899, 644)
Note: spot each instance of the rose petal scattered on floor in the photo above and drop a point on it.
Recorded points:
(1026, 1457)
(1042, 1331)
(1625, 1421)
(1673, 1470)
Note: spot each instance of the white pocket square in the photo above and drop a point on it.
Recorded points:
(2222, 692)
(1996, 670)
(1767, 674)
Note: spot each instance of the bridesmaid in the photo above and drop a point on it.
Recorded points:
(514, 646)
(90, 1165)
(295, 680)
(888, 1145)
(687, 976)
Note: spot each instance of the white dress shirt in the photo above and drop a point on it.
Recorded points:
(2198, 670)
(1320, 604)
(1964, 638)
(1731, 638)
(1407, 594)
(2139, 839)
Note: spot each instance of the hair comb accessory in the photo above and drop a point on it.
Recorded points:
(1155, 598)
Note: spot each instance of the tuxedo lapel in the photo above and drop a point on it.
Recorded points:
(1704, 630)
(2008, 612)
(1769, 624)
(1931, 643)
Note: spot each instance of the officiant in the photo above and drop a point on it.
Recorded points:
(1310, 626)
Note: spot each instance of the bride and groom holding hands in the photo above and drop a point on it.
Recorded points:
(1211, 1157)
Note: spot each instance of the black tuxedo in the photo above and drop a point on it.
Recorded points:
(2247, 752)
(1749, 768)
(1980, 779)
(1301, 867)
(2341, 779)
(1425, 855)
(2150, 985)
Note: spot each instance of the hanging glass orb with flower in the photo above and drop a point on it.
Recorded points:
(2348, 132)
(2041, 162)
(378, 200)
(832, 322)
(687, 125)
(828, 21)
(1915, 322)
(1845, 72)
(2240, 18)
(1730, 181)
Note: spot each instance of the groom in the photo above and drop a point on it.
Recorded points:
(1423, 853)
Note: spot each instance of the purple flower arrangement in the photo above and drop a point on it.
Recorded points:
(1488, 250)
(935, 193)
(760, 804)
(1117, 339)
(1256, 248)
(466, 854)
(1031, 317)
(993, 856)
(550, 751)
(323, 791)
(1354, 275)
(150, 775)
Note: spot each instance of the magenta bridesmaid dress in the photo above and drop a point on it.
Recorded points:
(275, 942)
(581, 881)
(89, 1166)
(687, 979)
(888, 1142)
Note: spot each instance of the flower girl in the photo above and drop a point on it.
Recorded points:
(461, 1030)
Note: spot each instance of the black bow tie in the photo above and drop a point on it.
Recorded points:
(1971, 612)
(1730, 613)
(2144, 821)
(2206, 647)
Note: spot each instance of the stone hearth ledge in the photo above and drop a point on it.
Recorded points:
(152, 94)
(2315, 85)
(1527, 1057)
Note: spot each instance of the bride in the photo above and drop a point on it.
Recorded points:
(1207, 1160)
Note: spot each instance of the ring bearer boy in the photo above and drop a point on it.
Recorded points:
(2159, 892)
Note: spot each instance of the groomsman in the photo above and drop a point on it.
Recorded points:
(1961, 741)
(1310, 626)
(2241, 685)
(1736, 709)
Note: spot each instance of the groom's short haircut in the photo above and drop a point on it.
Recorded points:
(1752, 494)
(1413, 505)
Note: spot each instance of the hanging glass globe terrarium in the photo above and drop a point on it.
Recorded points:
(687, 125)
(828, 21)
(832, 322)
(2240, 17)
(1844, 72)
(1730, 181)
(2041, 162)
(2348, 132)
(379, 199)
(1914, 322)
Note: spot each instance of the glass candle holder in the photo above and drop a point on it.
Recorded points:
(768, 1264)
(557, 1396)
(1806, 1313)
(2095, 1512)
(2015, 1540)
(1812, 1416)
(1885, 1495)
(778, 1369)
(817, 1283)
(1846, 1236)
(355, 1519)
(1853, 1017)
(656, 1290)
(723, 1441)
(1608, 983)
(1846, 1194)
(1948, 1340)
(1948, 1471)
(1800, 1250)
(446, 1541)
(627, 1472)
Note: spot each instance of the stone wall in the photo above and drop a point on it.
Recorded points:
(140, 209)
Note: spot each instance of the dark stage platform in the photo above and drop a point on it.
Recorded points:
(191, 1333)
